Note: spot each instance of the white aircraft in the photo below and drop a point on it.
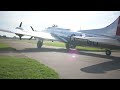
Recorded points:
(107, 37)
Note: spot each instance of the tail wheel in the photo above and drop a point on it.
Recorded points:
(39, 43)
(108, 52)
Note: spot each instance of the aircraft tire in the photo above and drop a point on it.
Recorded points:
(108, 52)
(68, 46)
(39, 43)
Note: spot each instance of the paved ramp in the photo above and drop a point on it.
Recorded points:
(72, 64)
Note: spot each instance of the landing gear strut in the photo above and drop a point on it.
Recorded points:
(70, 45)
(108, 52)
(71, 42)
(39, 43)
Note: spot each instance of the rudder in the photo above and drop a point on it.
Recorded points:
(118, 27)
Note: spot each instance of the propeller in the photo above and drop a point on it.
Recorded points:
(31, 36)
(32, 28)
(20, 35)
(20, 24)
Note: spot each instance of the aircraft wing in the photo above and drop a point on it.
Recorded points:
(43, 35)
(4, 30)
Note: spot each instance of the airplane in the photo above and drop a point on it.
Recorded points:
(107, 37)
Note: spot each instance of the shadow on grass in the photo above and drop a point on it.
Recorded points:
(7, 49)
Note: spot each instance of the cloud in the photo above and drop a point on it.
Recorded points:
(73, 20)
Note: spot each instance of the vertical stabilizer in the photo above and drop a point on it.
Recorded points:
(113, 29)
(118, 27)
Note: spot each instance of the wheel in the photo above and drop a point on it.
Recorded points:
(108, 52)
(73, 46)
(39, 43)
(68, 46)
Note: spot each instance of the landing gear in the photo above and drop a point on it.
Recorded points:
(70, 45)
(108, 52)
(39, 43)
(71, 42)
(71, 38)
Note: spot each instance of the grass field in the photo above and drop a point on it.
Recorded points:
(5, 47)
(90, 49)
(24, 68)
(61, 44)
(55, 43)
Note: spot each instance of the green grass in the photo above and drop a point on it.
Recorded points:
(90, 49)
(5, 47)
(24, 68)
(60, 44)
(48, 43)
(55, 43)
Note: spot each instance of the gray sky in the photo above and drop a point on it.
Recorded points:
(74, 20)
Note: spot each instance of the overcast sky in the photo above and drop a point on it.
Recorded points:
(74, 20)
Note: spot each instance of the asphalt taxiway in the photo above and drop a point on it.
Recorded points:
(71, 64)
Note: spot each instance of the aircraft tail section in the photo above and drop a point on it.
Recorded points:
(118, 27)
(113, 29)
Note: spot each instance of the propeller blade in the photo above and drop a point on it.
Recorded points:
(20, 37)
(20, 24)
(30, 37)
(32, 28)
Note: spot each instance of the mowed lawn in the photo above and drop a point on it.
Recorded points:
(5, 47)
(23, 68)
(61, 44)
(84, 48)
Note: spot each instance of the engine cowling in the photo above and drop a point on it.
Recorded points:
(20, 36)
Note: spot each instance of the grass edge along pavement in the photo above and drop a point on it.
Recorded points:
(61, 44)
(5, 47)
(24, 68)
